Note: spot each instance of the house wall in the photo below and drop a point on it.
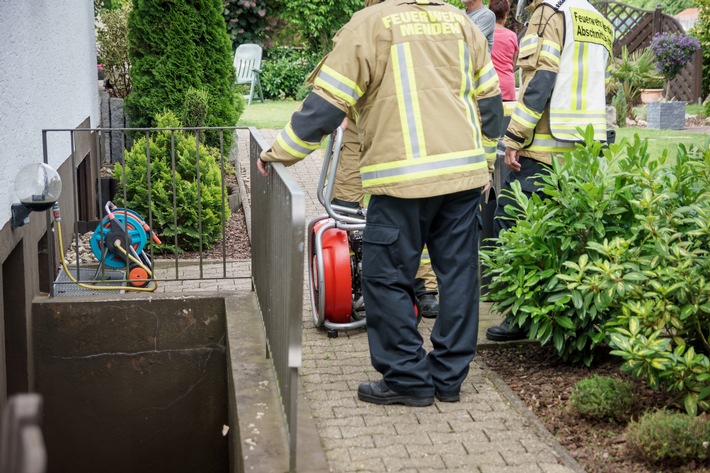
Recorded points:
(48, 80)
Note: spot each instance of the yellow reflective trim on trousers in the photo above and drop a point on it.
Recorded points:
(368, 182)
(466, 92)
(293, 144)
(338, 85)
(407, 101)
(425, 259)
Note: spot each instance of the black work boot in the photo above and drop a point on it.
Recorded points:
(506, 331)
(429, 306)
(377, 392)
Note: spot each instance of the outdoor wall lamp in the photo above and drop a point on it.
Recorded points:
(38, 186)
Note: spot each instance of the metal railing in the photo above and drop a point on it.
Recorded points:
(278, 211)
(174, 264)
(277, 227)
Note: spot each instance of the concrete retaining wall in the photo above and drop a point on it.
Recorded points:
(133, 383)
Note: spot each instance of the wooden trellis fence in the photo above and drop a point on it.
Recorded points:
(635, 28)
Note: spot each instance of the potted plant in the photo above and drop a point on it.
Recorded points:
(634, 72)
(651, 90)
(672, 52)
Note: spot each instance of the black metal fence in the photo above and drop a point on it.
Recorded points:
(95, 263)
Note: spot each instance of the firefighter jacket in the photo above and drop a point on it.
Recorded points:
(564, 58)
(420, 79)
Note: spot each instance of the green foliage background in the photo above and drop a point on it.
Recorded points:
(112, 48)
(255, 21)
(284, 74)
(670, 7)
(702, 32)
(175, 46)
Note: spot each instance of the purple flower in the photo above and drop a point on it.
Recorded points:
(673, 52)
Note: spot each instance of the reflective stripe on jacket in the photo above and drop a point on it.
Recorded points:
(420, 78)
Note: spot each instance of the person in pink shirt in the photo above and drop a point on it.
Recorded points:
(505, 49)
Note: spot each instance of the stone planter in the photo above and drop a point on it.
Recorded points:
(651, 95)
(665, 115)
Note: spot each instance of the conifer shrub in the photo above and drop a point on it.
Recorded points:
(603, 398)
(194, 220)
(175, 46)
(672, 438)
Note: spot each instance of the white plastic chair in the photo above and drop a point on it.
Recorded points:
(247, 64)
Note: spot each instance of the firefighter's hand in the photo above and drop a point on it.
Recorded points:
(262, 167)
(512, 159)
(344, 125)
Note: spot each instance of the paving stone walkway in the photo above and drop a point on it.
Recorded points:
(490, 430)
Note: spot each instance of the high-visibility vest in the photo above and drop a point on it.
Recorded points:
(579, 96)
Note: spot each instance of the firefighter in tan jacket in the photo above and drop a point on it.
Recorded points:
(564, 59)
(420, 78)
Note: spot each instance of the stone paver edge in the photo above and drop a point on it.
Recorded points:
(535, 423)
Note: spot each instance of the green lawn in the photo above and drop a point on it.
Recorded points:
(659, 140)
(274, 114)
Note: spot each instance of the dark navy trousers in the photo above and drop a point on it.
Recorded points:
(394, 237)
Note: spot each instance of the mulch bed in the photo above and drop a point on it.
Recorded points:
(544, 383)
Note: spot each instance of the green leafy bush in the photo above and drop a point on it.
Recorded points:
(616, 250)
(603, 398)
(533, 266)
(251, 21)
(195, 220)
(317, 21)
(669, 437)
(175, 46)
(663, 262)
(701, 30)
(284, 73)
